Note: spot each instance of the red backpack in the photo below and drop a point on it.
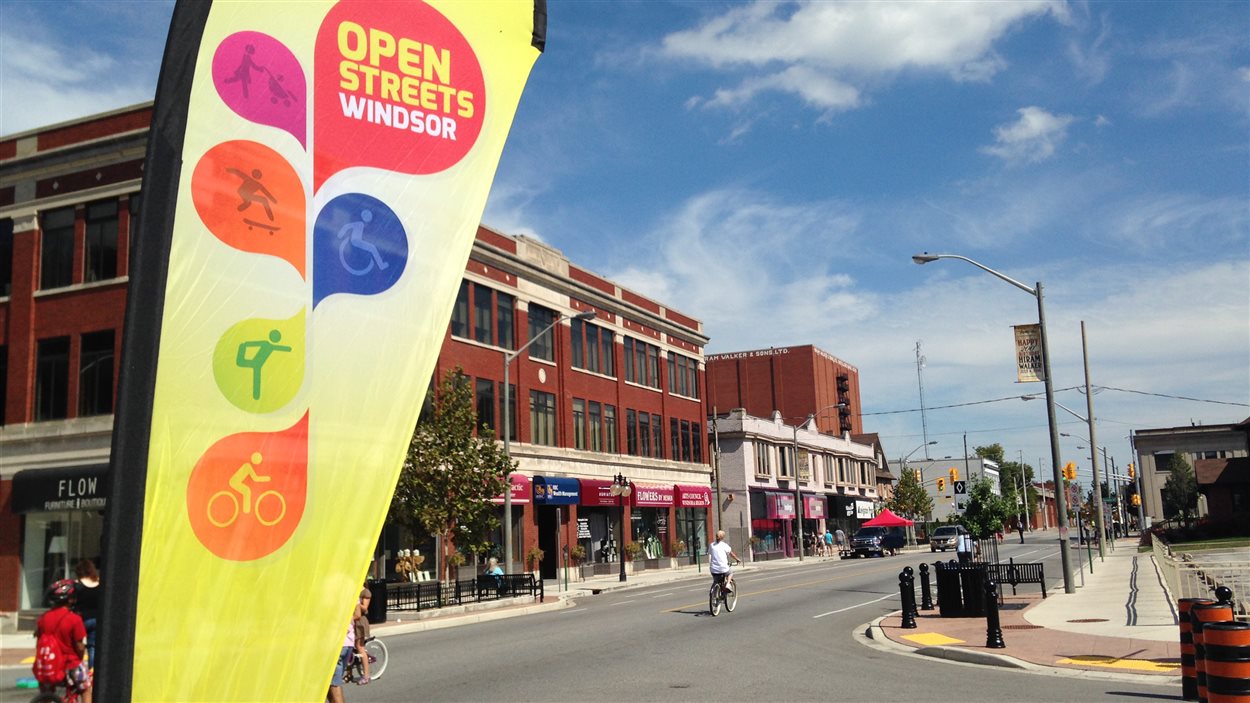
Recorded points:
(49, 666)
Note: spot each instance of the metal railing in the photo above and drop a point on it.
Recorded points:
(434, 594)
(1197, 573)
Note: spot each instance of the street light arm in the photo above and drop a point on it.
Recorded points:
(927, 257)
(509, 356)
(1061, 406)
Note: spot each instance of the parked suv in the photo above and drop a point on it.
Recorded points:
(868, 541)
(946, 537)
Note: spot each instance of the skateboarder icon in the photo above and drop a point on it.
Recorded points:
(352, 235)
(250, 191)
(254, 354)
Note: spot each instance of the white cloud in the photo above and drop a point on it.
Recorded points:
(1030, 139)
(828, 53)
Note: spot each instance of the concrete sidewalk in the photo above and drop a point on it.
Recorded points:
(1121, 622)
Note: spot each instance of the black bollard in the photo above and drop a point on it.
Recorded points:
(926, 600)
(993, 630)
(1224, 595)
(904, 586)
(911, 590)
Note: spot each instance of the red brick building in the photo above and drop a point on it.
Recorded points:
(619, 394)
(794, 381)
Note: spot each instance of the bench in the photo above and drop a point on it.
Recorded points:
(1016, 574)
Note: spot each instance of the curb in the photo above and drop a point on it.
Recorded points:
(872, 635)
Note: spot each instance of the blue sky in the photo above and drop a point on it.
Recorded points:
(770, 168)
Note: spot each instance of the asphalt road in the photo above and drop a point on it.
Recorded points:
(792, 638)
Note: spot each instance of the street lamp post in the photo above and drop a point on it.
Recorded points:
(1061, 508)
(903, 467)
(621, 489)
(508, 358)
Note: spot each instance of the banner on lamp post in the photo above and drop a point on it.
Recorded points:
(1029, 354)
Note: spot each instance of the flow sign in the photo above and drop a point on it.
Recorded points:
(961, 487)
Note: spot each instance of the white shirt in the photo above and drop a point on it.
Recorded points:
(963, 543)
(718, 557)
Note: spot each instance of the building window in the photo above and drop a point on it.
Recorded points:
(460, 313)
(100, 242)
(579, 423)
(607, 352)
(132, 205)
(504, 336)
(592, 347)
(595, 431)
(52, 379)
(540, 319)
(6, 258)
(482, 305)
(642, 363)
(543, 418)
(683, 375)
(763, 467)
(631, 432)
(484, 392)
(95, 374)
(674, 435)
(4, 378)
(783, 462)
(696, 443)
(512, 410)
(827, 460)
(609, 429)
(56, 258)
(687, 450)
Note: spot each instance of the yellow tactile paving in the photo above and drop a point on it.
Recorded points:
(932, 639)
(1116, 663)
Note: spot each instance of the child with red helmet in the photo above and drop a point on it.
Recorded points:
(61, 641)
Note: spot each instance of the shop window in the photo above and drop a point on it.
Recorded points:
(56, 255)
(6, 258)
(543, 418)
(95, 374)
(540, 319)
(52, 379)
(609, 429)
(100, 241)
(52, 544)
(649, 528)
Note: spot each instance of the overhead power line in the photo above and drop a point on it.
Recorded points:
(956, 405)
(1174, 397)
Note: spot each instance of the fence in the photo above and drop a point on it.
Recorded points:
(434, 594)
(1197, 573)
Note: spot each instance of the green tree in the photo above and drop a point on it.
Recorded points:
(451, 473)
(910, 498)
(1180, 492)
(986, 512)
(1009, 478)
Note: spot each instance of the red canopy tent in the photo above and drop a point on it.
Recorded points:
(886, 518)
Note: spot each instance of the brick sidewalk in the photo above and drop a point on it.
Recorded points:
(1037, 645)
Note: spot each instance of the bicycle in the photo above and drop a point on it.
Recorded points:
(377, 652)
(71, 693)
(718, 594)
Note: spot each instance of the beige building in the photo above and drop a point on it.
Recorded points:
(1155, 447)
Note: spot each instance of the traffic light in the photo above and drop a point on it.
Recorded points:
(954, 472)
(941, 485)
(1136, 500)
(917, 473)
(1069, 471)
(1132, 472)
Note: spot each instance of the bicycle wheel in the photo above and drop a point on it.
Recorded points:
(46, 698)
(714, 599)
(731, 598)
(376, 649)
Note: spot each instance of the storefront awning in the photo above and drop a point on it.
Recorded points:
(597, 492)
(693, 496)
(780, 506)
(652, 496)
(555, 490)
(520, 490)
(50, 490)
(814, 507)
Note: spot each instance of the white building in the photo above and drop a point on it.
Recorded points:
(967, 469)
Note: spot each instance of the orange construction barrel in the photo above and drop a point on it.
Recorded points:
(1189, 672)
(1202, 615)
(1227, 647)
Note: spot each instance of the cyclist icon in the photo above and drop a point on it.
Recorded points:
(254, 361)
(238, 482)
(353, 234)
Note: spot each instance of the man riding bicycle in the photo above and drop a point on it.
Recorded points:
(719, 553)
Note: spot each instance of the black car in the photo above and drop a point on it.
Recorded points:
(868, 541)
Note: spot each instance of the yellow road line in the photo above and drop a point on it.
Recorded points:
(1117, 663)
